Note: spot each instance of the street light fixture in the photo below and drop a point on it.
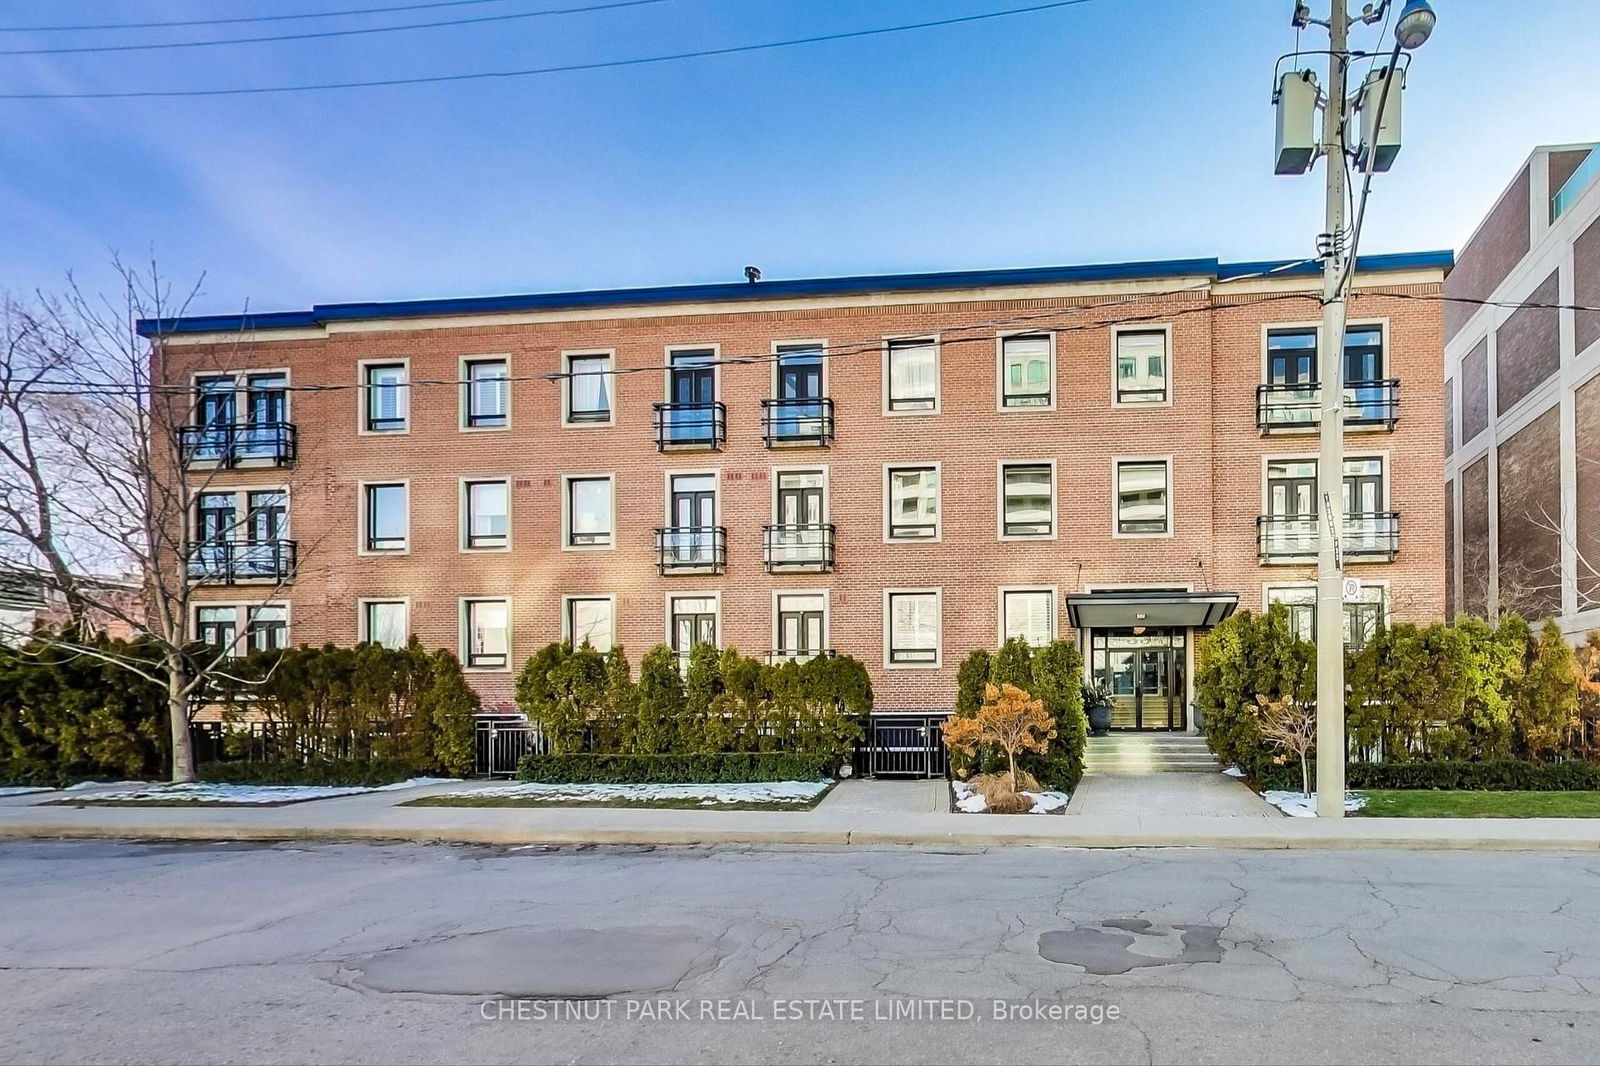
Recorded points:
(1416, 23)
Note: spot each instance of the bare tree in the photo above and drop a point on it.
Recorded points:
(95, 480)
(1290, 725)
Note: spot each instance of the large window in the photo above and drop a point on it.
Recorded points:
(268, 629)
(488, 517)
(1026, 371)
(385, 623)
(590, 621)
(1142, 366)
(913, 502)
(801, 625)
(488, 633)
(1027, 614)
(384, 517)
(913, 375)
(1027, 500)
(589, 388)
(1142, 498)
(487, 393)
(913, 625)
(691, 620)
(217, 627)
(1362, 617)
(387, 398)
(589, 512)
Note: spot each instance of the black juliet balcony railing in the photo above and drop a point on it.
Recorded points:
(691, 425)
(797, 421)
(1373, 535)
(266, 443)
(1284, 408)
(798, 655)
(229, 562)
(691, 549)
(797, 547)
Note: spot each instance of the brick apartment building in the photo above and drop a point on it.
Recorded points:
(900, 468)
(1523, 399)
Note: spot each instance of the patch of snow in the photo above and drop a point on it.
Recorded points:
(23, 790)
(249, 795)
(1045, 802)
(419, 782)
(1234, 771)
(82, 785)
(1299, 805)
(971, 802)
(796, 792)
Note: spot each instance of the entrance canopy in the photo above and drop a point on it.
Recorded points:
(1151, 608)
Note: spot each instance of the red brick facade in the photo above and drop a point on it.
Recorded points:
(1208, 432)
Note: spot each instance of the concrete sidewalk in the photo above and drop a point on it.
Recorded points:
(847, 820)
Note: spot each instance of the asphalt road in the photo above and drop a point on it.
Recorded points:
(357, 953)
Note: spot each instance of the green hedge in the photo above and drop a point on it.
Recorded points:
(33, 773)
(1494, 775)
(710, 767)
(346, 772)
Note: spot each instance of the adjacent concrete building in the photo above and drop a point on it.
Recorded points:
(1522, 398)
(901, 468)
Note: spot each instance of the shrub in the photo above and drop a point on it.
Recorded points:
(1010, 719)
(450, 706)
(971, 677)
(658, 702)
(1515, 775)
(1546, 699)
(705, 767)
(342, 772)
(1246, 656)
(1057, 680)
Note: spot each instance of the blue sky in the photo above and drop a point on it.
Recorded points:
(1114, 130)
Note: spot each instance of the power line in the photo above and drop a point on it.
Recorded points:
(320, 34)
(236, 19)
(566, 68)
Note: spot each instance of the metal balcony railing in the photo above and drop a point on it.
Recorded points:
(232, 561)
(1281, 408)
(234, 443)
(1369, 535)
(691, 425)
(797, 421)
(691, 549)
(798, 655)
(797, 547)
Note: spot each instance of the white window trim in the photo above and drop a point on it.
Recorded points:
(802, 343)
(464, 634)
(464, 513)
(1316, 324)
(1383, 583)
(361, 517)
(716, 492)
(1000, 372)
(799, 468)
(888, 502)
(888, 628)
(363, 635)
(1000, 606)
(241, 505)
(465, 402)
(241, 396)
(1153, 327)
(241, 621)
(566, 512)
(362, 395)
(1172, 493)
(675, 594)
(938, 374)
(566, 615)
(666, 377)
(1382, 455)
(566, 387)
(776, 630)
(1000, 501)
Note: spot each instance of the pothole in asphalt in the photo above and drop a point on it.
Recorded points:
(1118, 945)
(546, 963)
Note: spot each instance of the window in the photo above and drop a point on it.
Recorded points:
(913, 622)
(217, 627)
(216, 516)
(589, 512)
(589, 388)
(268, 629)
(1027, 500)
(691, 620)
(1027, 614)
(487, 393)
(1142, 498)
(386, 520)
(1292, 355)
(913, 503)
(386, 397)
(913, 375)
(1142, 366)
(384, 622)
(590, 621)
(801, 625)
(488, 514)
(488, 634)
(1301, 604)
(1025, 371)
(1361, 617)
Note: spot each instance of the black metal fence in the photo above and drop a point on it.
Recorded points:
(901, 745)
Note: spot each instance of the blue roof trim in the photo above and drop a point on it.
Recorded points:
(736, 291)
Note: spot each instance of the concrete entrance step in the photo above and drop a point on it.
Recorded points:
(1148, 753)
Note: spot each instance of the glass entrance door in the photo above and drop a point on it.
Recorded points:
(1145, 672)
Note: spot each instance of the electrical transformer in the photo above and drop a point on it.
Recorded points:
(1380, 135)
(1296, 100)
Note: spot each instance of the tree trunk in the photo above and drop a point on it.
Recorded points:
(1012, 756)
(178, 719)
(1305, 778)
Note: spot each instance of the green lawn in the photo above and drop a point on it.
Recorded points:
(1385, 803)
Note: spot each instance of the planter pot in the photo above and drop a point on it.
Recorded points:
(1100, 719)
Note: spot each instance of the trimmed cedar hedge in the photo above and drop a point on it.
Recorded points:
(343, 772)
(1494, 775)
(705, 768)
